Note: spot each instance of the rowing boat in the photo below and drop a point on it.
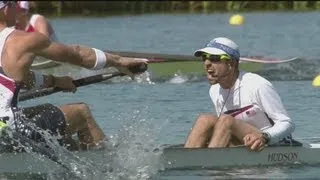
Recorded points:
(194, 158)
(177, 157)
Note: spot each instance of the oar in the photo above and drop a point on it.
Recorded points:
(316, 81)
(156, 57)
(160, 58)
(78, 83)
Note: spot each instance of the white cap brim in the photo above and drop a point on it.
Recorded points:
(209, 50)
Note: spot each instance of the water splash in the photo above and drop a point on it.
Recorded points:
(135, 153)
(74, 167)
(144, 78)
(178, 78)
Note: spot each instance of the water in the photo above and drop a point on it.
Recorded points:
(142, 115)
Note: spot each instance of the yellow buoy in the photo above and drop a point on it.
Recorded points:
(316, 81)
(236, 19)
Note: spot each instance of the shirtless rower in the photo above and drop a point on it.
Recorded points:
(17, 51)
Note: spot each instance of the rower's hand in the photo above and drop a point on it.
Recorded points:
(65, 83)
(132, 66)
(254, 141)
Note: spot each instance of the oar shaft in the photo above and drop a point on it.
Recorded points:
(155, 57)
(95, 79)
(78, 83)
(160, 58)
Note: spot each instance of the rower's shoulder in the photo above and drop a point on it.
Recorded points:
(254, 81)
(29, 39)
(30, 35)
(253, 78)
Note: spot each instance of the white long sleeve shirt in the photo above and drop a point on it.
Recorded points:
(254, 100)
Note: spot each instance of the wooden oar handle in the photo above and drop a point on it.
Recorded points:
(79, 82)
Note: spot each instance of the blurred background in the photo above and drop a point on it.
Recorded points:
(63, 8)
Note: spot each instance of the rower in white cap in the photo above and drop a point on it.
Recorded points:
(249, 111)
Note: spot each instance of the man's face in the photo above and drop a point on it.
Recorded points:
(11, 12)
(216, 67)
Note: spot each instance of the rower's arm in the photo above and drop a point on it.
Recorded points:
(74, 54)
(272, 104)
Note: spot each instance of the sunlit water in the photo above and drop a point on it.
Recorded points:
(141, 115)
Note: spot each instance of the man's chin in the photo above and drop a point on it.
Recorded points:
(212, 81)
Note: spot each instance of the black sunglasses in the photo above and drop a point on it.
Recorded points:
(215, 58)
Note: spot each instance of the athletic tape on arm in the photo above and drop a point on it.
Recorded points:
(101, 59)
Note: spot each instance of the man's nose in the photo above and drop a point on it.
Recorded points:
(207, 63)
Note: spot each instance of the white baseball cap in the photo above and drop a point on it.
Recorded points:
(23, 4)
(219, 46)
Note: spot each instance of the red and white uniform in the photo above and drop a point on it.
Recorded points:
(33, 19)
(9, 89)
(31, 25)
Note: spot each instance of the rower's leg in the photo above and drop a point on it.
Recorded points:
(201, 131)
(226, 127)
(240, 129)
(80, 120)
(221, 135)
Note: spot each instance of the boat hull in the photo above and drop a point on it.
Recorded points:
(177, 157)
(195, 158)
